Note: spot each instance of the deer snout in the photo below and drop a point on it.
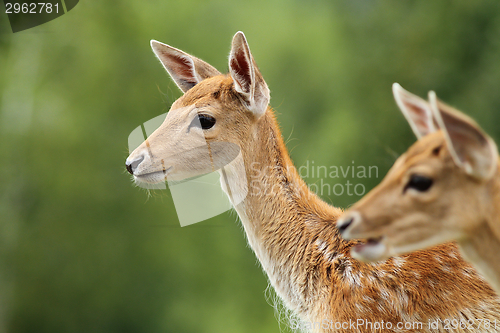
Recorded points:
(347, 222)
(132, 164)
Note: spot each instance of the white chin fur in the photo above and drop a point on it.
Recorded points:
(151, 178)
(369, 252)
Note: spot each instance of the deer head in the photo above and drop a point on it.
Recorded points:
(205, 128)
(439, 190)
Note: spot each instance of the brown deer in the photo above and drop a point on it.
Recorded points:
(290, 229)
(445, 187)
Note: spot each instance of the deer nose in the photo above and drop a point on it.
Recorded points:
(346, 221)
(132, 165)
(343, 224)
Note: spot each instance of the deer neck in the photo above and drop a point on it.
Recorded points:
(482, 249)
(494, 218)
(278, 211)
(483, 246)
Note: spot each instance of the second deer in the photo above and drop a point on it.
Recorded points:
(446, 187)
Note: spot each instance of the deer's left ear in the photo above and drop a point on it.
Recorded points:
(472, 149)
(186, 70)
(416, 111)
(248, 80)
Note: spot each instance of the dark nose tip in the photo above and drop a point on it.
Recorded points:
(343, 225)
(129, 168)
(132, 166)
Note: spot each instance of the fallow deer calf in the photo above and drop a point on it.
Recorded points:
(290, 229)
(446, 187)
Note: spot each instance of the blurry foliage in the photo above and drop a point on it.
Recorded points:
(83, 250)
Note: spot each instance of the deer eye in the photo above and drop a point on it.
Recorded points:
(419, 183)
(206, 121)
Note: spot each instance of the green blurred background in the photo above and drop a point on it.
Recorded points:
(84, 250)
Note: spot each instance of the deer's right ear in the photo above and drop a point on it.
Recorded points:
(248, 80)
(472, 149)
(186, 70)
(417, 111)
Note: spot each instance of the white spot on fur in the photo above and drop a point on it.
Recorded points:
(438, 259)
(371, 279)
(368, 298)
(403, 298)
(353, 277)
(446, 269)
(399, 262)
(361, 309)
(384, 293)
(322, 246)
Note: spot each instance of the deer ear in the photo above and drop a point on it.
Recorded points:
(472, 149)
(186, 70)
(248, 80)
(416, 111)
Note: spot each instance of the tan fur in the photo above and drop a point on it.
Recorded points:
(459, 206)
(293, 233)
